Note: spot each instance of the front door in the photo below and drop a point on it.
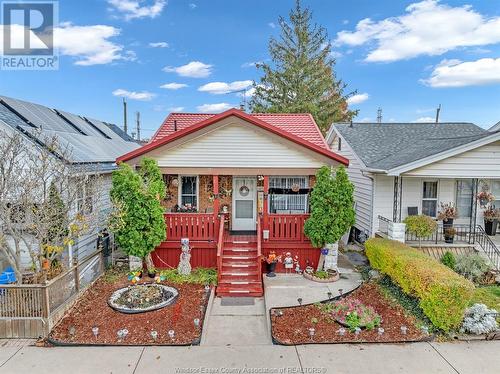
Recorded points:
(244, 203)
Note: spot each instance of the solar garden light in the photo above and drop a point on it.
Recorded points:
(380, 331)
(330, 295)
(207, 288)
(154, 334)
(357, 331)
(299, 300)
(171, 334)
(125, 333)
(341, 331)
(279, 312)
(95, 331)
(341, 291)
(312, 331)
(196, 322)
(404, 329)
(425, 330)
(71, 331)
(120, 334)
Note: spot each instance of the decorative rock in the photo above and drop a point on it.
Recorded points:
(374, 274)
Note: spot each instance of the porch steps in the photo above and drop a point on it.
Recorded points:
(240, 275)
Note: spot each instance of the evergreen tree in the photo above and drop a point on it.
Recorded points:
(138, 222)
(332, 207)
(301, 78)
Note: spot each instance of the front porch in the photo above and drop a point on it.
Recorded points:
(232, 220)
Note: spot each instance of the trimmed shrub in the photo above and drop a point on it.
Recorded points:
(444, 295)
(471, 266)
(448, 259)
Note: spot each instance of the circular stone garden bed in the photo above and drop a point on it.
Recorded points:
(142, 298)
(323, 276)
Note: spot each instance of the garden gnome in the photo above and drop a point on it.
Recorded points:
(184, 267)
(297, 265)
(288, 262)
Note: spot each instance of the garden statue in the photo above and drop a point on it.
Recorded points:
(288, 262)
(331, 258)
(184, 267)
(297, 265)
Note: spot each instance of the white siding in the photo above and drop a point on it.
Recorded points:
(482, 162)
(383, 199)
(237, 145)
(363, 186)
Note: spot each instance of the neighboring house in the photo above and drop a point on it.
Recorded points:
(495, 127)
(410, 168)
(257, 168)
(91, 142)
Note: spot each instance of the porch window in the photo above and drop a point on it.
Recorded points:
(188, 193)
(288, 195)
(429, 198)
(464, 197)
(495, 190)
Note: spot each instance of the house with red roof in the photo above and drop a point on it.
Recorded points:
(238, 186)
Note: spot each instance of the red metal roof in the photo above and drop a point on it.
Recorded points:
(299, 128)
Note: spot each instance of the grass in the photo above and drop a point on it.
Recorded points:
(197, 276)
(488, 295)
(410, 304)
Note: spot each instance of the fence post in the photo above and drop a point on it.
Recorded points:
(46, 307)
(76, 273)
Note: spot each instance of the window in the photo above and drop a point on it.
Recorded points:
(189, 192)
(283, 198)
(464, 197)
(495, 190)
(339, 148)
(429, 198)
(86, 194)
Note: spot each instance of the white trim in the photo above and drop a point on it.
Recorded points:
(179, 190)
(443, 155)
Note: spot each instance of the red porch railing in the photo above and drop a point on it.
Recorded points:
(220, 243)
(195, 226)
(286, 227)
(259, 245)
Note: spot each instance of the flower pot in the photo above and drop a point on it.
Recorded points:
(45, 264)
(271, 267)
(447, 224)
(490, 227)
(448, 239)
(152, 275)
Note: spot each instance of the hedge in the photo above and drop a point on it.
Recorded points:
(443, 294)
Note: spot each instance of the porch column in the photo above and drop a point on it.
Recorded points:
(265, 205)
(216, 194)
(473, 211)
(398, 195)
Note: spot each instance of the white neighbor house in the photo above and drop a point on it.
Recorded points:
(397, 166)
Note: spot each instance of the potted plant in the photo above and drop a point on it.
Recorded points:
(449, 234)
(491, 216)
(485, 197)
(271, 260)
(447, 214)
(421, 226)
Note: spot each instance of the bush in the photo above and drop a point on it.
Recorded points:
(443, 294)
(198, 276)
(471, 266)
(421, 226)
(448, 259)
(480, 320)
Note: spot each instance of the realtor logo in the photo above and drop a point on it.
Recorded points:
(28, 35)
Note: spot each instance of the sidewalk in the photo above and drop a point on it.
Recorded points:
(425, 358)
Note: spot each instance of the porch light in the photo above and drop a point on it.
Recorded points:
(196, 322)
(380, 331)
(404, 329)
(95, 331)
(154, 334)
(171, 334)
(341, 331)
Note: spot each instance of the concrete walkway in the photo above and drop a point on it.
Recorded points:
(425, 358)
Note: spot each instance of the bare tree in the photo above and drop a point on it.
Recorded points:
(46, 202)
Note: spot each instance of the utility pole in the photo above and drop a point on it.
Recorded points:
(437, 113)
(125, 115)
(379, 115)
(138, 124)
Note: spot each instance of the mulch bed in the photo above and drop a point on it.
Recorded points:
(292, 327)
(93, 310)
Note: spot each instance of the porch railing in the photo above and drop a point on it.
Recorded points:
(220, 243)
(286, 227)
(259, 245)
(195, 226)
(488, 246)
(383, 225)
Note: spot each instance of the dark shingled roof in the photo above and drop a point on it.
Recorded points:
(388, 145)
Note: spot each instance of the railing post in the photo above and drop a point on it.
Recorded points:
(265, 205)
(76, 274)
(216, 194)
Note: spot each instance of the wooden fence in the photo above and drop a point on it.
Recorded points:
(31, 310)
(195, 226)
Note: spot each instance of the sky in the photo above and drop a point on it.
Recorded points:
(406, 57)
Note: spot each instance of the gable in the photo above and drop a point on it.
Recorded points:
(481, 162)
(233, 143)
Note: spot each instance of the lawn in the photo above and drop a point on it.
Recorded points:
(488, 295)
